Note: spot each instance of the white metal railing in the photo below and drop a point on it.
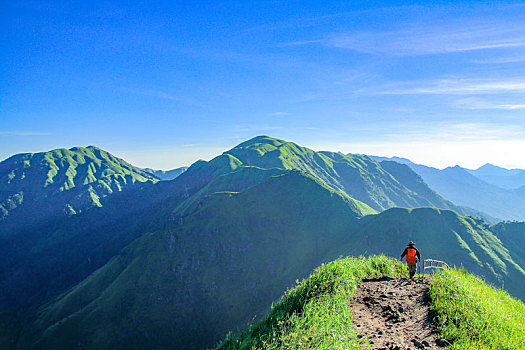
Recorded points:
(432, 265)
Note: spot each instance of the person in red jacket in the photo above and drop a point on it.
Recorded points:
(412, 255)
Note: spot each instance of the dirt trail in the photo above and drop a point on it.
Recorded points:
(393, 313)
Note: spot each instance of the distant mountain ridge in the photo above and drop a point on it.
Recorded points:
(166, 174)
(463, 188)
(504, 178)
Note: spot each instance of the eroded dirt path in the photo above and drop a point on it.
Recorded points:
(393, 313)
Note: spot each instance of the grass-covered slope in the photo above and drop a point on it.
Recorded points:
(443, 235)
(512, 235)
(359, 176)
(63, 181)
(316, 314)
(223, 261)
(229, 254)
(474, 315)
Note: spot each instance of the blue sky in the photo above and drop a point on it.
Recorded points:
(165, 83)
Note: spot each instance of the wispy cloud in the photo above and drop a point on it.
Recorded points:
(501, 60)
(440, 144)
(24, 133)
(469, 131)
(164, 95)
(424, 39)
(280, 114)
(477, 103)
(457, 86)
(255, 128)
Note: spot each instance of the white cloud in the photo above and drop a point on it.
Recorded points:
(438, 39)
(457, 132)
(477, 103)
(189, 101)
(24, 133)
(255, 128)
(280, 114)
(500, 60)
(457, 86)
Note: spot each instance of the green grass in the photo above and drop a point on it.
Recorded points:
(316, 313)
(475, 315)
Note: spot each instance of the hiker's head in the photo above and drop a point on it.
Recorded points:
(411, 244)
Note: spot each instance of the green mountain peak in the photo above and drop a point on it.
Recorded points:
(77, 178)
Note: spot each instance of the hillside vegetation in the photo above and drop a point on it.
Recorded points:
(512, 235)
(316, 314)
(474, 315)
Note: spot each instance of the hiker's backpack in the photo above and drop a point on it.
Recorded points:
(411, 256)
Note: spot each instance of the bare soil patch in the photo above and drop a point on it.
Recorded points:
(393, 313)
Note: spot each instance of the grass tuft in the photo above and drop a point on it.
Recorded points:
(474, 315)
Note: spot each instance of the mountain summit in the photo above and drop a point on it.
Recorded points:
(63, 181)
(359, 176)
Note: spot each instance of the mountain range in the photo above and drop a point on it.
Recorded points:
(180, 263)
(166, 174)
(504, 178)
(468, 188)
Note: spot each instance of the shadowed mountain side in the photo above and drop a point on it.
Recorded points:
(189, 285)
(520, 191)
(44, 260)
(442, 235)
(231, 254)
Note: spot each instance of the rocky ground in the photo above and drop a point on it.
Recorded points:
(393, 313)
